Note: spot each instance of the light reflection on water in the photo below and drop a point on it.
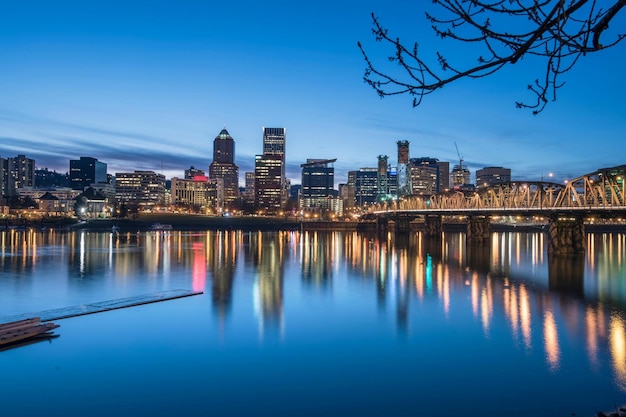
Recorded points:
(562, 317)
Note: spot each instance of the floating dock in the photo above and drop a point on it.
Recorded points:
(18, 333)
(84, 309)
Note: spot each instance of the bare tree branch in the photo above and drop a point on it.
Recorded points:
(557, 31)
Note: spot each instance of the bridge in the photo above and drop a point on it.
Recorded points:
(600, 194)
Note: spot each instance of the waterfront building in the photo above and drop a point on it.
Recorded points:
(492, 176)
(223, 166)
(318, 181)
(16, 173)
(200, 192)
(86, 171)
(268, 183)
(52, 201)
(92, 204)
(145, 189)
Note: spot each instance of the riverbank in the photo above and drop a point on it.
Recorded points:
(144, 222)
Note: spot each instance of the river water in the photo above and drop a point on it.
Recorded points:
(316, 323)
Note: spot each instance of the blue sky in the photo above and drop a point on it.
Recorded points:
(148, 85)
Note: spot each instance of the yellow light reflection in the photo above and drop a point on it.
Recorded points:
(525, 316)
(592, 325)
(617, 343)
(551, 340)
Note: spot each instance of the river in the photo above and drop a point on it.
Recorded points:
(316, 323)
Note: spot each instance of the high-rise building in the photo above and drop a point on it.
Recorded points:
(223, 166)
(86, 171)
(248, 194)
(383, 178)
(429, 176)
(271, 185)
(365, 185)
(404, 177)
(460, 176)
(145, 189)
(492, 176)
(15, 173)
(268, 183)
(274, 143)
(318, 182)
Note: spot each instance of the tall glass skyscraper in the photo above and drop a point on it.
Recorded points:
(223, 166)
(271, 182)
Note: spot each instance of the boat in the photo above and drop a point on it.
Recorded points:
(161, 226)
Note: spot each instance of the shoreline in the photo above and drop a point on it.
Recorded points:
(191, 222)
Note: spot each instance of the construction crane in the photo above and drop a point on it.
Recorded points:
(460, 157)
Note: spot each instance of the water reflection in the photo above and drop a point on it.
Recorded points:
(542, 303)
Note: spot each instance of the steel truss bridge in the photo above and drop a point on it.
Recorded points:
(603, 190)
(599, 194)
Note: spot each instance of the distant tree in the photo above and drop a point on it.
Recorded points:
(45, 178)
(557, 31)
(18, 202)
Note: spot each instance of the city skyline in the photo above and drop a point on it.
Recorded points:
(149, 90)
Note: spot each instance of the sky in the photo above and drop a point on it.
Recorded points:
(149, 85)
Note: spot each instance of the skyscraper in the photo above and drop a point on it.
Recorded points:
(268, 186)
(223, 166)
(270, 182)
(86, 171)
(383, 178)
(404, 178)
(274, 143)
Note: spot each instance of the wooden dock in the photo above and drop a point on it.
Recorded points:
(17, 333)
(84, 309)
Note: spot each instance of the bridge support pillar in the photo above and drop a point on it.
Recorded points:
(566, 235)
(478, 229)
(433, 226)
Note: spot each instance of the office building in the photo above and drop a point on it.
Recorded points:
(429, 176)
(248, 194)
(16, 173)
(383, 179)
(268, 183)
(365, 182)
(492, 176)
(274, 143)
(200, 192)
(404, 176)
(145, 189)
(223, 166)
(460, 176)
(86, 171)
(318, 181)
